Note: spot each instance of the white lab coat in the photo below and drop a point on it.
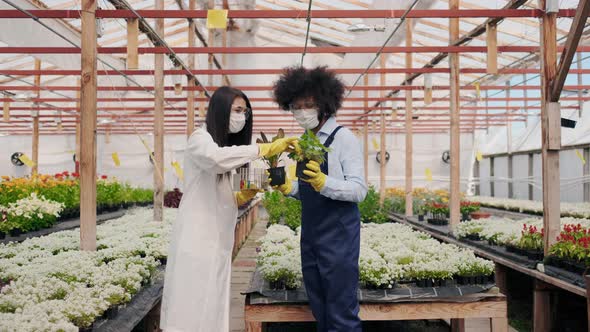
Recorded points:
(197, 285)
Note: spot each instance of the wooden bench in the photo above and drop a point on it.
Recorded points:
(493, 307)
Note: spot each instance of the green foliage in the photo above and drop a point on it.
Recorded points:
(282, 210)
(371, 211)
(311, 148)
(273, 161)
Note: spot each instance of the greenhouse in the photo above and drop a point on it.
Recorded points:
(291, 165)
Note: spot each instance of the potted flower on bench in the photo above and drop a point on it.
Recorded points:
(438, 213)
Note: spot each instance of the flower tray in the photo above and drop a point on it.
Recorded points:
(567, 276)
(465, 217)
(530, 254)
(475, 280)
(438, 222)
(373, 287)
(566, 264)
(436, 283)
(473, 237)
(279, 285)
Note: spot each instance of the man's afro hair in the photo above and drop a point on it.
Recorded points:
(320, 83)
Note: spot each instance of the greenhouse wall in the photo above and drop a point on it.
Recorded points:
(571, 175)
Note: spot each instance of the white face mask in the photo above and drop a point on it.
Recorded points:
(237, 121)
(307, 118)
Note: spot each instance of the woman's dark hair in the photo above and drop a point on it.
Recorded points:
(218, 118)
(326, 89)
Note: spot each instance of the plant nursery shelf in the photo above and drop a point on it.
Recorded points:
(517, 266)
(492, 306)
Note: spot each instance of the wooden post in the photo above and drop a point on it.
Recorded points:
(476, 174)
(501, 279)
(6, 109)
(35, 114)
(551, 197)
(78, 110)
(455, 197)
(211, 41)
(580, 82)
(382, 165)
(531, 174)
(587, 173)
(159, 124)
(487, 112)
(132, 43)
(190, 102)
(492, 186)
(541, 307)
(492, 43)
(88, 127)
(509, 145)
(526, 102)
(409, 126)
(366, 132)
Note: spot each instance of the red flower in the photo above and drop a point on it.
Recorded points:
(104, 177)
(76, 175)
(66, 173)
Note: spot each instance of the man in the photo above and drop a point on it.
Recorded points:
(330, 232)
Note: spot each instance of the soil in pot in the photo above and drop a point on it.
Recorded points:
(301, 166)
(278, 176)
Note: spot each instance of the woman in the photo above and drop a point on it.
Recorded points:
(196, 291)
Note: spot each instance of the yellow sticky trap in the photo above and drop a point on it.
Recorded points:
(428, 174)
(479, 156)
(116, 159)
(477, 90)
(375, 144)
(581, 156)
(292, 171)
(26, 160)
(217, 19)
(178, 170)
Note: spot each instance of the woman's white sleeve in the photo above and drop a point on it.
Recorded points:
(209, 156)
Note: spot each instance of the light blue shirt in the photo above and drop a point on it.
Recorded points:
(345, 180)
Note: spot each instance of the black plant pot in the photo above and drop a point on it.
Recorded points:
(15, 232)
(438, 222)
(111, 313)
(2, 235)
(420, 217)
(301, 166)
(277, 285)
(86, 329)
(278, 176)
(163, 260)
(473, 237)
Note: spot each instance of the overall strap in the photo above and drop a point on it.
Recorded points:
(331, 137)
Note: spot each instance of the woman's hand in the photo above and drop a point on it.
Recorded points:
(288, 144)
(246, 195)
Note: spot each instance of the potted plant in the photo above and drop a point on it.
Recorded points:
(172, 198)
(420, 210)
(530, 243)
(572, 250)
(311, 149)
(439, 213)
(277, 174)
(467, 208)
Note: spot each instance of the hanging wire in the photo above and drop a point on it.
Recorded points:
(308, 19)
(402, 20)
